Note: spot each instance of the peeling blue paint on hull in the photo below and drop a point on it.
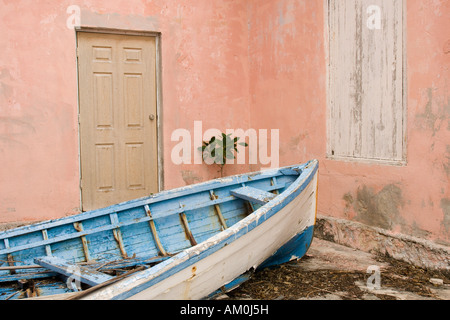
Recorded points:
(295, 248)
(191, 241)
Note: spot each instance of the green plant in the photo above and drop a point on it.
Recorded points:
(220, 149)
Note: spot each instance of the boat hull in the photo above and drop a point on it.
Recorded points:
(275, 233)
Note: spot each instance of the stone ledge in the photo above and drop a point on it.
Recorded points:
(418, 252)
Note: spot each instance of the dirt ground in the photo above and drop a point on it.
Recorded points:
(334, 272)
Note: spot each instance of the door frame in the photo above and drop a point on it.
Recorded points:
(159, 113)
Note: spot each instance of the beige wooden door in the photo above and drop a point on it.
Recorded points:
(118, 127)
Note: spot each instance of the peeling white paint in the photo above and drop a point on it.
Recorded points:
(224, 265)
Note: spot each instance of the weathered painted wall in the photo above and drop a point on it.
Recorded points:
(288, 75)
(231, 64)
(288, 91)
(38, 126)
(410, 199)
(204, 77)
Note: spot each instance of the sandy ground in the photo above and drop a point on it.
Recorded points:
(334, 272)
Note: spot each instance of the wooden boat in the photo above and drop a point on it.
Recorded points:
(188, 243)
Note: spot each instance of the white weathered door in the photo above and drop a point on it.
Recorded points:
(366, 66)
(118, 127)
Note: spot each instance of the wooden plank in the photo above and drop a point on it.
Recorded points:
(164, 195)
(291, 172)
(250, 206)
(273, 182)
(11, 263)
(113, 226)
(160, 214)
(366, 102)
(118, 235)
(187, 230)
(48, 249)
(9, 256)
(130, 262)
(154, 232)
(218, 211)
(253, 195)
(27, 276)
(64, 267)
(101, 285)
(79, 227)
(155, 215)
(19, 267)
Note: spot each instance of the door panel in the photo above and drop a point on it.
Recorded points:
(117, 90)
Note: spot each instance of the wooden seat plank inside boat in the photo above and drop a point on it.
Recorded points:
(86, 275)
(253, 195)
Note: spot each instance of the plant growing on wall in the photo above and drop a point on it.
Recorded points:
(219, 150)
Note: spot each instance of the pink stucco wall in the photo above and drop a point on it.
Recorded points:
(38, 127)
(287, 64)
(231, 64)
(204, 77)
(411, 199)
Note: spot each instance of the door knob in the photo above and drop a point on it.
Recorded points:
(151, 117)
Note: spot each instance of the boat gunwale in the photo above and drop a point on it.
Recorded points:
(158, 197)
(191, 255)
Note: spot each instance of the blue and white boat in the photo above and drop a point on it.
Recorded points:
(188, 243)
